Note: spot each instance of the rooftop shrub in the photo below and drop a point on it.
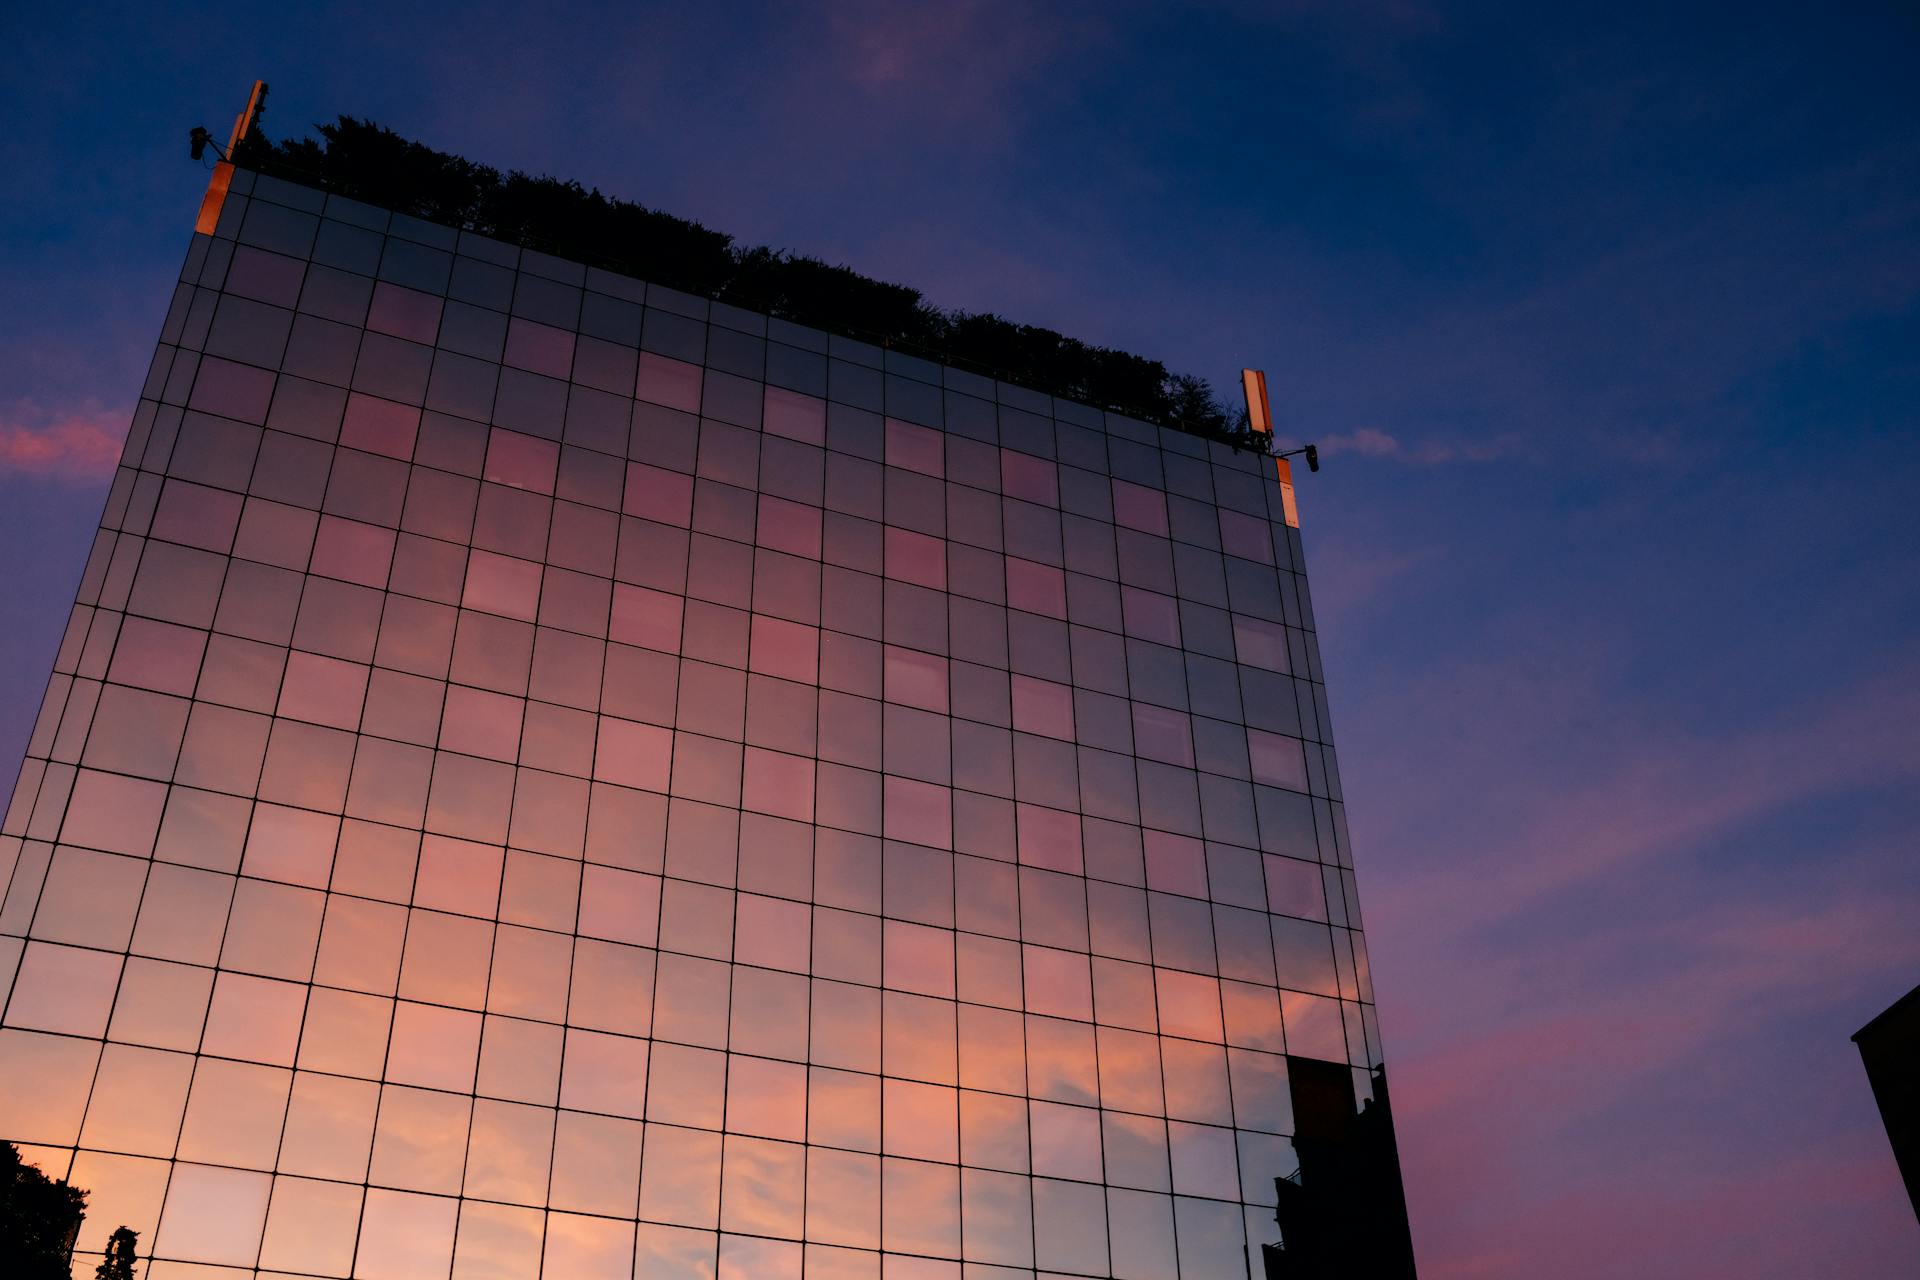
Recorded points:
(364, 161)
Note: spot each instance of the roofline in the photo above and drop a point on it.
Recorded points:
(1911, 998)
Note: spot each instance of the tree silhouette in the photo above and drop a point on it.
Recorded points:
(39, 1219)
(118, 1264)
(366, 161)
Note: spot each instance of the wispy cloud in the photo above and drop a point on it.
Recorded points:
(76, 445)
(1663, 789)
(888, 47)
(1349, 575)
(1642, 1044)
(1627, 966)
(1372, 442)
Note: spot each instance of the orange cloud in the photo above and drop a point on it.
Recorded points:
(82, 445)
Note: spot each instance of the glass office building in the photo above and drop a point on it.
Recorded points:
(547, 775)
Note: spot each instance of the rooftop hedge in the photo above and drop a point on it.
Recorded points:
(363, 161)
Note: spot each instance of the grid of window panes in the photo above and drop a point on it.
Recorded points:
(550, 772)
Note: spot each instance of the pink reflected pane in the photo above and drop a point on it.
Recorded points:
(683, 1253)
(213, 1215)
(312, 1225)
(1029, 478)
(470, 797)
(1123, 997)
(478, 723)
(1176, 864)
(921, 1121)
(918, 958)
(919, 812)
(1259, 643)
(1189, 1005)
(539, 347)
(1042, 707)
(1295, 888)
(1066, 1141)
(404, 313)
(766, 1099)
(503, 585)
(779, 784)
(44, 1081)
(1150, 615)
(106, 811)
(772, 933)
(588, 1247)
(1245, 535)
(275, 534)
(917, 558)
(380, 426)
(655, 493)
(604, 1073)
(915, 679)
(1036, 588)
(405, 1235)
(1138, 507)
(680, 1177)
(1195, 1077)
(1278, 761)
(756, 1258)
(673, 383)
(645, 617)
(497, 1240)
(1049, 838)
(793, 527)
(521, 461)
(64, 989)
(323, 690)
(706, 769)
(1315, 1028)
(461, 876)
(1059, 984)
(353, 552)
(290, 845)
(795, 416)
(1253, 1021)
(257, 1019)
(920, 1208)
(432, 1047)
(196, 515)
(843, 1207)
(157, 655)
(762, 1184)
(790, 650)
(915, 448)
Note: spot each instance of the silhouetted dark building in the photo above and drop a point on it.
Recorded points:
(1890, 1048)
(552, 771)
(1343, 1211)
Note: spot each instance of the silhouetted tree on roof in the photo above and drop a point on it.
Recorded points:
(366, 162)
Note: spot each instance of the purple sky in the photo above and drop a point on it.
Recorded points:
(1609, 331)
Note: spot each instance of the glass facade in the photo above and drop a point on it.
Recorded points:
(552, 776)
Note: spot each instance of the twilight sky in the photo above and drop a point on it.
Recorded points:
(1607, 324)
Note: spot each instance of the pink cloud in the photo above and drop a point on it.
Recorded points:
(1598, 1118)
(82, 445)
(1808, 1213)
(1348, 576)
(888, 46)
(1619, 1039)
(1647, 789)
